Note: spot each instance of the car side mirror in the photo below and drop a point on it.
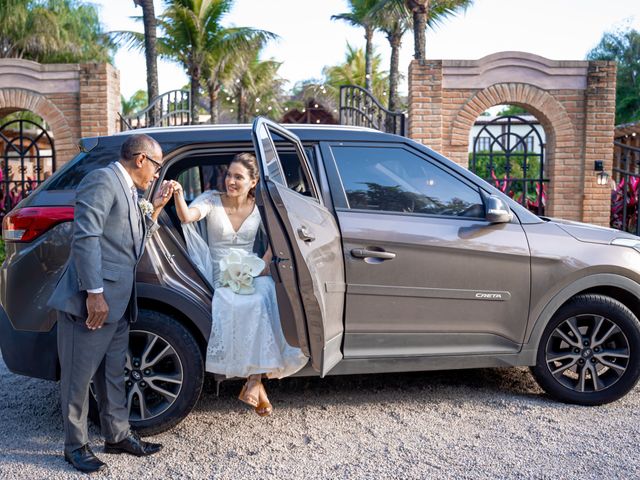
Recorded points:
(497, 210)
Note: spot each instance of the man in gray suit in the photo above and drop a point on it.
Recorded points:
(96, 299)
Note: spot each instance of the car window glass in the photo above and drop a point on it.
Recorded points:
(396, 180)
(270, 160)
(70, 176)
(200, 178)
(295, 176)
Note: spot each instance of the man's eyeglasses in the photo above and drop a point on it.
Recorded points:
(158, 165)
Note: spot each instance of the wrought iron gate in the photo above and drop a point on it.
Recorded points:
(172, 108)
(508, 152)
(358, 107)
(27, 156)
(624, 197)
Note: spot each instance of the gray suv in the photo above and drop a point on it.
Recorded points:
(387, 258)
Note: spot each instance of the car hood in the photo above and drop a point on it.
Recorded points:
(586, 232)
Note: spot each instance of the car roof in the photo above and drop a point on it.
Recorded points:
(190, 134)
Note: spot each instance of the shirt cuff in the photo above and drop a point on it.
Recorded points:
(95, 290)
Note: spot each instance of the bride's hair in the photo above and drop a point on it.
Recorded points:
(248, 161)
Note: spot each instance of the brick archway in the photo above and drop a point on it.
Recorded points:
(557, 125)
(76, 100)
(573, 100)
(14, 99)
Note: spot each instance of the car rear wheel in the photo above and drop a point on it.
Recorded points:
(164, 373)
(589, 353)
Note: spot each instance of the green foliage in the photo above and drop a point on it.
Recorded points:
(352, 72)
(24, 115)
(623, 46)
(497, 163)
(512, 110)
(53, 31)
(191, 34)
(137, 102)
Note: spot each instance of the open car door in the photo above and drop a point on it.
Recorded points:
(305, 241)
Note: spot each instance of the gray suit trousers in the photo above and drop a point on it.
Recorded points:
(92, 354)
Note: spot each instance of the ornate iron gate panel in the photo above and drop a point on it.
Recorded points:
(169, 109)
(626, 179)
(508, 152)
(358, 107)
(28, 158)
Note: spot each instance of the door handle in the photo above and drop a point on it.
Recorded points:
(366, 253)
(305, 234)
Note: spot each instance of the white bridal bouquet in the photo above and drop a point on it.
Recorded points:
(238, 269)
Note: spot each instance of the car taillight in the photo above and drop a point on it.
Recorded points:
(27, 224)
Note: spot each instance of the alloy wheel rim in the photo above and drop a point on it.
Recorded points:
(587, 353)
(154, 375)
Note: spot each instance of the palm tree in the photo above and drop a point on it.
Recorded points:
(193, 36)
(135, 103)
(353, 72)
(424, 13)
(255, 86)
(52, 31)
(228, 57)
(361, 16)
(150, 51)
(393, 22)
(190, 26)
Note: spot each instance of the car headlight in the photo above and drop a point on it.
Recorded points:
(627, 242)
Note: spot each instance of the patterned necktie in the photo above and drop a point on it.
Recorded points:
(134, 196)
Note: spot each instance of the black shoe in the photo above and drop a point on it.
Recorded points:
(84, 460)
(133, 445)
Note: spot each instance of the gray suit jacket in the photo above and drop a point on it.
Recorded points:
(108, 241)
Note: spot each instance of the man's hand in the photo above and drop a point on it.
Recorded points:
(163, 195)
(161, 198)
(98, 310)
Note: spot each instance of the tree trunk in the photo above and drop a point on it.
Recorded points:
(395, 41)
(149, 20)
(214, 92)
(195, 94)
(419, 8)
(368, 58)
(242, 106)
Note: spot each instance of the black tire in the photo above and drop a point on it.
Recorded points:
(172, 383)
(589, 353)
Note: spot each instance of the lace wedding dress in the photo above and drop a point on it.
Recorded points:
(246, 335)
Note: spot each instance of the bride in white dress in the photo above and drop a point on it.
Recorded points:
(246, 336)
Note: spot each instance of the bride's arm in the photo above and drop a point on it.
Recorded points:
(185, 214)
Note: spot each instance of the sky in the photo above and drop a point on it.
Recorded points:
(309, 40)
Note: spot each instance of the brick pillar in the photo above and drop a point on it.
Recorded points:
(600, 102)
(99, 99)
(425, 103)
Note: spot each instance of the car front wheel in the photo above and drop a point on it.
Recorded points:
(164, 373)
(589, 353)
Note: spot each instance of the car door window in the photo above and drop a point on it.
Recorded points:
(393, 179)
(296, 176)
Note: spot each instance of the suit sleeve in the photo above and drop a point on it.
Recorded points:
(94, 200)
(151, 226)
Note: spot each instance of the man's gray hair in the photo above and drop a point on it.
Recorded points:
(136, 144)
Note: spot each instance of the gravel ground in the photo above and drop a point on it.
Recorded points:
(493, 423)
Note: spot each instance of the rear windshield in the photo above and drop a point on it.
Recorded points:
(73, 172)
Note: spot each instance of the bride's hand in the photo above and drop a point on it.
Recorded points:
(177, 188)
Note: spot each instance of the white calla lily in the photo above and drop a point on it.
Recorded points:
(238, 269)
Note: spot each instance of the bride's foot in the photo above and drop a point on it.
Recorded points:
(264, 407)
(250, 393)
